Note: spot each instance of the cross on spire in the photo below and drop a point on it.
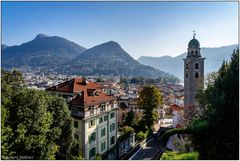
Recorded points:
(194, 34)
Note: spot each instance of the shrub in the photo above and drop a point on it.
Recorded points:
(127, 129)
(141, 136)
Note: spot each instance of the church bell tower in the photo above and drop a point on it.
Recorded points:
(193, 72)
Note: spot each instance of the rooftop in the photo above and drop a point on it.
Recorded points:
(85, 92)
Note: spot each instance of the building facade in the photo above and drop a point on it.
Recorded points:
(95, 117)
(193, 72)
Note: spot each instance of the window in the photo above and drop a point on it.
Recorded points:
(76, 149)
(103, 132)
(196, 75)
(196, 52)
(186, 75)
(112, 127)
(102, 108)
(105, 117)
(196, 66)
(92, 123)
(112, 140)
(112, 115)
(75, 124)
(100, 120)
(92, 110)
(76, 136)
(186, 66)
(74, 111)
(103, 146)
(123, 116)
(112, 105)
(92, 152)
(92, 137)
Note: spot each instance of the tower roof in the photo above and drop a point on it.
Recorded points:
(194, 43)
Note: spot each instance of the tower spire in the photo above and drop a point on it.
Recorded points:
(194, 34)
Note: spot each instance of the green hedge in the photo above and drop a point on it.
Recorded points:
(180, 156)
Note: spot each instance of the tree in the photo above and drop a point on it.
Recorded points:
(8, 80)
(221, 103)
(129, 120)
(34, 124)
(150, 98)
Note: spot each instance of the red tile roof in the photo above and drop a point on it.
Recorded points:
(74, 86)
(175, 107)
(84, 99)
(86, 94)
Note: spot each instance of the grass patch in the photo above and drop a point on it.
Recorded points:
(168, 155)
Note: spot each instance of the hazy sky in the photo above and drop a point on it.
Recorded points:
(141, 28)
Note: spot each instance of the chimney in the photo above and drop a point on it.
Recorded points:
(84, 81)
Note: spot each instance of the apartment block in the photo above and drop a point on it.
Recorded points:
(95, 117)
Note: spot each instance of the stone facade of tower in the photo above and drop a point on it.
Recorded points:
(193, 72)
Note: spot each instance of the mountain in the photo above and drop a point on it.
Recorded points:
(59, 55)
(214, 58)
(109, 59)
(44, 51)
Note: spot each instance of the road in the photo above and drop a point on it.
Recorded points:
(148, 151)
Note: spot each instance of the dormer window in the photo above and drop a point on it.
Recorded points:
(92, 110)
(102, 107)
(90, 92)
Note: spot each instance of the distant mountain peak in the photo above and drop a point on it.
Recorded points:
(41, 36)
(112, 43)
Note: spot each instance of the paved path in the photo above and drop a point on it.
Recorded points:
(148, 151)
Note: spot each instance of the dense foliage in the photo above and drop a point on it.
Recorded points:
(150, 99)
(215, 135)
(34, 125)
(126, 132)
(220, 100)
(129, 120)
